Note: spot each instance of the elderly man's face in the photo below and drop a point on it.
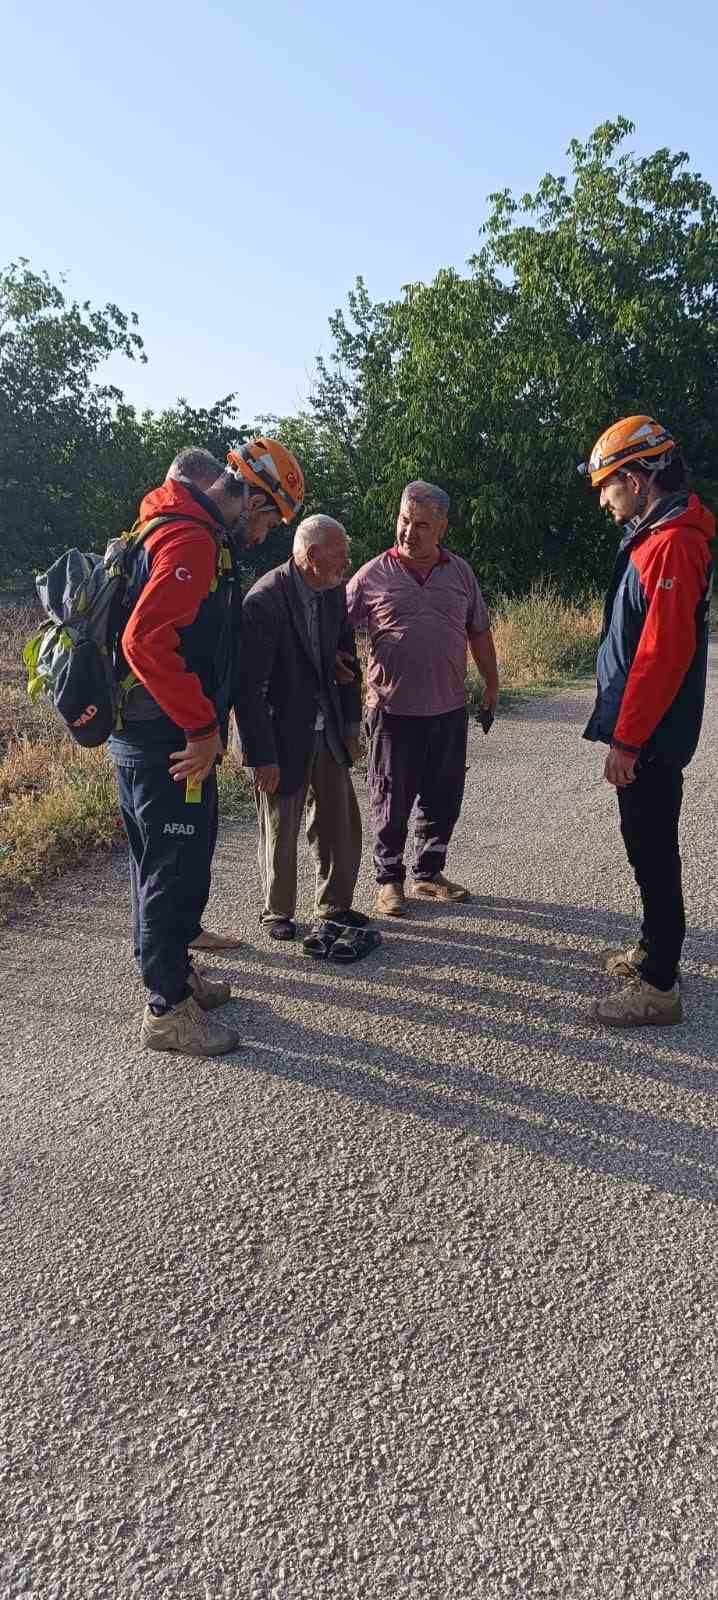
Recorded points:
(419, 530)
(329, 561)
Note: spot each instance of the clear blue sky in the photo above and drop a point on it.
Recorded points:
(226, 170)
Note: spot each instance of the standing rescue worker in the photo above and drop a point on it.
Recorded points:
(181, 650)
(651, 690)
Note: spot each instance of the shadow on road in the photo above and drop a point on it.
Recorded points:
(544, 1015)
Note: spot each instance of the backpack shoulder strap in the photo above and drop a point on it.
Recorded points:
(140, 532)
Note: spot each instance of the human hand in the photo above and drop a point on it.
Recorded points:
(353, 745)
(620, 768)
(197, 759)
(490, 698)
(266, 779)
(344, 666)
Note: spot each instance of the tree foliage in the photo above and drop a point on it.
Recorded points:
(51, 412)
(594, 297)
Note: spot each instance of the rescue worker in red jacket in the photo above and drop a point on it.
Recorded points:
(181, 649)
(651, 689)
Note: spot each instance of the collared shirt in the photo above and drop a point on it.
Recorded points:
(442, 557)
(417, 632)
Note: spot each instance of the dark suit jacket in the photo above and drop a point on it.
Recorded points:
(279, 684)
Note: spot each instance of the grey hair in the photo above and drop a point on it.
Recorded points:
(200, 466)
(314, 530)
(419, 490)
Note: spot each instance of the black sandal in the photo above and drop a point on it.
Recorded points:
(353, 944)
(320, 939)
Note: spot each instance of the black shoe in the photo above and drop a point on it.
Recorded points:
(279, 928)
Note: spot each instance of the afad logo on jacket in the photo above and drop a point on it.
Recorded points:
(86, 716)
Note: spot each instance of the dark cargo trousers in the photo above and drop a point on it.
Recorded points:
(420, 759)
(650, 809)
(171, 841)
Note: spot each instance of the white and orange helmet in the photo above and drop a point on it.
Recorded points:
(269, 466)
(639, 439)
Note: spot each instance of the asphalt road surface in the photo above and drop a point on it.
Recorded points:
(414, 1296)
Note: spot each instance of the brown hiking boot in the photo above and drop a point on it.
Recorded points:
(623, 963)
(639, 1005)
(438, 888)
(206, 940)
(390, 901)
(188, 1030)
(208, 992)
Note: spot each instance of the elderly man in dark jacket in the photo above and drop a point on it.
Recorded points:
(299, 728)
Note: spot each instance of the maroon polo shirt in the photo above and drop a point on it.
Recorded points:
(417, 629)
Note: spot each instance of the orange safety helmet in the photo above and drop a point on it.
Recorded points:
(639, 439)
(273, 469)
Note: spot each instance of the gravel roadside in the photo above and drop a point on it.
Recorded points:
(413, 1297)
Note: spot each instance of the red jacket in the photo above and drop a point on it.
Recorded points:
(653, 654)
(164, 639)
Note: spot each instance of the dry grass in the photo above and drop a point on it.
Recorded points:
(542, 639)
(43, 831)
(58, 803)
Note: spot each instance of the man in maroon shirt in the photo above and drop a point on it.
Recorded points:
(421, 607)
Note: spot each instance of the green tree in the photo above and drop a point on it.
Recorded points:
(355, 405)
(594, 297)
(134, 450)
(51, 411)
(611, 308)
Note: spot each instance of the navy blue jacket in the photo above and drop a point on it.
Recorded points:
(654, 643)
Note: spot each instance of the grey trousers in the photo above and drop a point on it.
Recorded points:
(334, 836)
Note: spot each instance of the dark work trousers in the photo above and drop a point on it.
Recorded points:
(650, 808)
(172, 841)
(420, 759)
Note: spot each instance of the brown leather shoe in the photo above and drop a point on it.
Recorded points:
(209, 992)
(628, 963)
(390, 900)
(438, 888)
(206, 940)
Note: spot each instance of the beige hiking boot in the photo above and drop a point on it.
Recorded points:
(639, 1005)
(208, 992)
(438, 888)
(188, 1030)
(390, 900)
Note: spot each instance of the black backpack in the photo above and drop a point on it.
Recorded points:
(74, 656)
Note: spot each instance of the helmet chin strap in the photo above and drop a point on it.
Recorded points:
(643, 498)
(241, 521)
